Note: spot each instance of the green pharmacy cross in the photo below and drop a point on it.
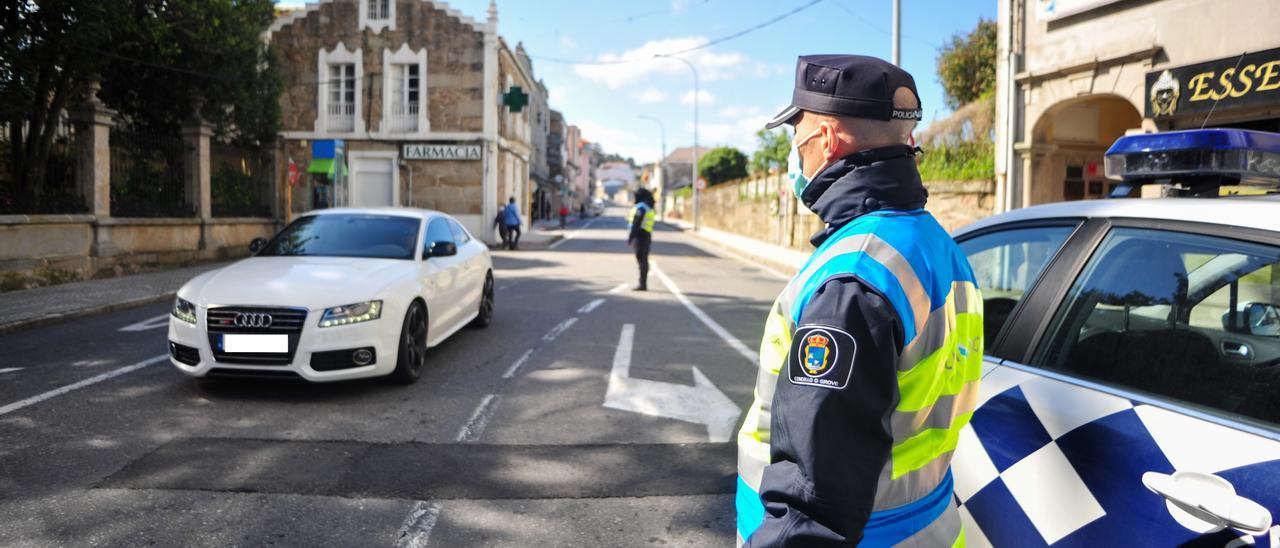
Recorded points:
(515, 99)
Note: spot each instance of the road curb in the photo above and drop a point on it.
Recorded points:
(53, 319)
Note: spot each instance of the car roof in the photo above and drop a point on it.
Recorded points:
(1246, 212)
(395, 211)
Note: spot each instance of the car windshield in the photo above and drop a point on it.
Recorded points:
(353, 235)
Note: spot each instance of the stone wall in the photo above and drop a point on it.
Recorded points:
(765, 209)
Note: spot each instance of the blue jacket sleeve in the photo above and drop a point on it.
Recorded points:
(831, 436)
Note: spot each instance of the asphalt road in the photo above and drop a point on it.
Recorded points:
(505, 441)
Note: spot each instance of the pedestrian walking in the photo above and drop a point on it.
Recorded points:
(500, 221)
(511, 216)
(871, 355)
(641, 235)
(564, 215)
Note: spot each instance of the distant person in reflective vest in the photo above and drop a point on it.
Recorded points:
(641, 235)
(511, 216)
(871, 355)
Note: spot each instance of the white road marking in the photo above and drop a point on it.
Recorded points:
(574, 234)
(620, 288)
(417, 527)
(10, 369)
(474, 428)
(559, 328)
(81, 384)
(149, 323)
(511, 372)
(751, 355)
(587, 308)
(701, 403)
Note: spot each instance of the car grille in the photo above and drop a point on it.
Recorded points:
(284, 321)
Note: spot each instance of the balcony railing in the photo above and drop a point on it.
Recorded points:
(403, 118)
(341, 117)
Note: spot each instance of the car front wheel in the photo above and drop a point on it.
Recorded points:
(485, 317)
(413, 346)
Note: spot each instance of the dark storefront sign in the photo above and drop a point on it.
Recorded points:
(1231, 82)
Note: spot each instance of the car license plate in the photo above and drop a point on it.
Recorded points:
(258, 344)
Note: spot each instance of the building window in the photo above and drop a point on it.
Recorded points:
(376, 15)
(406, 90)
(342, 97)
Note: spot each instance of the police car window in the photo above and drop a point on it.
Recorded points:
(437, 231)
(1189, 317)
(459, 235)
(1005, 264)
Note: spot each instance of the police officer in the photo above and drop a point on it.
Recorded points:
(641, 235)
(871, 355)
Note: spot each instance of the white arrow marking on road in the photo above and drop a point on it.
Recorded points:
(10, 369)
(701, 403)
(149, 323)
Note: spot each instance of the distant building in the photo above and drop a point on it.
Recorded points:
(418, 96)
(1075, 75)
(680, 167)
(616, 178)
(540, 121)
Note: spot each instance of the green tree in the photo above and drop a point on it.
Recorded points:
(722, 164)
(772, 149)
(967, 64)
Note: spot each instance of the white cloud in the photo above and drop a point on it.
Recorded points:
(704, 97)
(640, 143)
(558, 94)
(651, 95)
(567, 43)
(641, 64)
(741, 112)
(679, 6)
(739, 133)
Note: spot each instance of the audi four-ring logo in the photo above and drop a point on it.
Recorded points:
(253, 319)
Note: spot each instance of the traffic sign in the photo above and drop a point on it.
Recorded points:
(702, 183)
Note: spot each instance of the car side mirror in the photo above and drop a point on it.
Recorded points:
(443, 249)
(257, 244)
(1262, 319)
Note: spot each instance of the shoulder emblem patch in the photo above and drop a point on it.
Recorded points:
(822, 357)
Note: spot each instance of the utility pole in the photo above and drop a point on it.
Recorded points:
(694, 170)
(662, 163)
(897, 32)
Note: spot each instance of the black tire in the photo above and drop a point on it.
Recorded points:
(485, 317)
(412, 355)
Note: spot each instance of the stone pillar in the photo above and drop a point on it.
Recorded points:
(93, 122)
(195, 141)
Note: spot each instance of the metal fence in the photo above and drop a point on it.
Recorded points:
(242, 180)
(54, 188)
(147, 175)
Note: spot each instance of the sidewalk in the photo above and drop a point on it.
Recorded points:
(47, 305)
(783, 259)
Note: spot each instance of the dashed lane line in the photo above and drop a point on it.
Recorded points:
(733, 342)
(474, 428)
(620, 288)
(559, 328)
(417, 527)
(587, 308)
(574, 234)
(511, 372)
(81, 384)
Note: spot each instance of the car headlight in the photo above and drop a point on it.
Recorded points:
(351, 313)
(184, 310)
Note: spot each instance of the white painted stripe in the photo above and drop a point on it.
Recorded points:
(587, 308)
(10, 369)
(558, 329)
(751, 355)
(511, 372)
(574, 234)
(154, 322)
(474, 428)
(417, 527)
(78, 385)
(620, 288)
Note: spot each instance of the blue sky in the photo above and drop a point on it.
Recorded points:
(743, 81)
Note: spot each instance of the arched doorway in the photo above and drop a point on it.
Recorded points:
(1069, 142)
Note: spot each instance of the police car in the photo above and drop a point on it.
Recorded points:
(1131, 385)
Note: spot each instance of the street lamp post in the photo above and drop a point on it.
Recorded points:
(694, 179)
(662, 162)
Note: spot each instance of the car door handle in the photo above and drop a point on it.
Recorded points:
(1211, 499)
(1236, 349)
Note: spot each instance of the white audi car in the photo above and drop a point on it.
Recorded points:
(338, 294)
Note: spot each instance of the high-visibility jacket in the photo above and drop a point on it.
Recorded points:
(642, 215)
(879, 336)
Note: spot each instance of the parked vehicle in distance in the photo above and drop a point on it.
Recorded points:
(338, 294)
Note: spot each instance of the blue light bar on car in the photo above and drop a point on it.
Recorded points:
(1250, 156)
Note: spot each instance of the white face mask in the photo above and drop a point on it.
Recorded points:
(795, 172)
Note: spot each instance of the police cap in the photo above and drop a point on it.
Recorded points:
(848, 85)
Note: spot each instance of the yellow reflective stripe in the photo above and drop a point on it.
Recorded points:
(776, 342)
(947, 369)
(959, 543)
(920, 449)
(648, 219)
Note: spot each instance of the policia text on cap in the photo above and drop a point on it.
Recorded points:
(871, 355)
